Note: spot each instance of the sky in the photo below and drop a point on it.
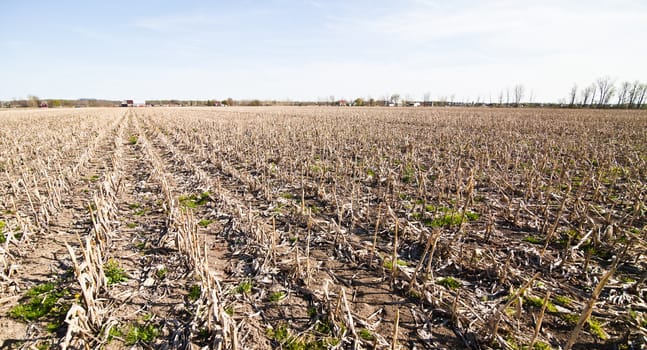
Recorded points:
(314, 49)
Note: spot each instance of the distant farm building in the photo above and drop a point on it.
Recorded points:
(43, 104)
(127, 103)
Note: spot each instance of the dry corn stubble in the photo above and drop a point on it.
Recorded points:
(568, 180)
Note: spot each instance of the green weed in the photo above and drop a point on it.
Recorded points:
(138, 333)
(2, 236)
(450, 219)
(312, 312)
(626, 279)
(203, 334)
(114, 273)
(408, 174)
(205, 222)
(570, 319)
(43, 301)
(539, 303)
(194, 292)
(287, 195)
(533, 240)
(366, 334)
(193, 201)
(323, 326)
(161, 273)
(472, 216)
(54, 326)
(277, 296)
(562, 300)
(281, 334)
(388, 264)
(595, 327)
(244, 287)
(114, 332)
(449, 282)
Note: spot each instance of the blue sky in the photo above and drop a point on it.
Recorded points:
(312, 49)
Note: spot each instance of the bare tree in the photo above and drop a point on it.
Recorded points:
(623, 93)
(507, 95)
(518, 93)
(386, 99)
(407, 99)
(633, 93)
(606, 89)
(586, 94)
(594, 89)
(501, 98)
(642, 90)
(609, 95)
(573, 95)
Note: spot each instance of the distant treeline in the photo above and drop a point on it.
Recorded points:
(628, 96)
(33, 102)
(604, 93)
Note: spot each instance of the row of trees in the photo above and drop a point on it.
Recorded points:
(33, 101)
(518, 93)
(601, 92)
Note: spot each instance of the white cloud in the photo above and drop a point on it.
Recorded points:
(482, 47)
(515, 23)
